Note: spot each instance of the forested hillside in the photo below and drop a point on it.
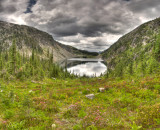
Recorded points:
(26, 52)
(13, 65)
(136, 53)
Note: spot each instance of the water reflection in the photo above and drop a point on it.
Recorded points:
(88, 67)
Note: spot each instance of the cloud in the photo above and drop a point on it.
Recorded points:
(90, 18)
(7, 8)
(31, 3)
(12, 6)
(86, 24)
(11, 10)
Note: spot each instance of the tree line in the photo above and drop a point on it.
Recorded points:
(19, 65)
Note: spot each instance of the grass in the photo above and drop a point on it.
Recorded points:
(61, 104)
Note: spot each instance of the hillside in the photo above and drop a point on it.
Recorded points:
(137, 51)
(29, 38)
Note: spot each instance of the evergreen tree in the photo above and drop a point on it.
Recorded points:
(13, 57)
(131, 68)
(32, 57)
(143, 67)
(157, 51)
(51, 60)
(48, 53)
(119, 70)
(6, 56)
(1, 62)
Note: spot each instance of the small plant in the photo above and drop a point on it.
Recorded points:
(16, 125)
(135, 127)
(8, 114)
(72, 111)
(94, 118)
(82, 113)
(92, 127)
(77, 127)
(148, 115)
(26, 102)
(69, 114)
(86, 91)
(6, 102)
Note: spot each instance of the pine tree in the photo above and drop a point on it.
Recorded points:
(13, 57)
(119, 70)
(1, 62)
(157, 52)
(157, 49)
(33, 57)
(143, 67)
(48, 53)
(23, 59)
(51, 60)
(6, 56)
(131, 68)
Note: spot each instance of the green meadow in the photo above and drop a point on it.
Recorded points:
(130, 103)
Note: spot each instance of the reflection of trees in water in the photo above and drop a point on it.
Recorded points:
(71, 63)
(75, 63)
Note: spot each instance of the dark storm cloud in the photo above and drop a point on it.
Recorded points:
(85, 24)
(63, 25)
(90, 18)
(31, 3)
(100, 42)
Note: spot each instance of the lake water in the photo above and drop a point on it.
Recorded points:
(86, 66)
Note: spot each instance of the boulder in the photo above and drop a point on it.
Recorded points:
(90, 96)
(101, 89)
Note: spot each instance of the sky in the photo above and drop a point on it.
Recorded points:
(92, 25)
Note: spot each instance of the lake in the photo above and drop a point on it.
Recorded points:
(86, 66)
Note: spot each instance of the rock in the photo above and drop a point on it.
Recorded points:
(33, 81)
(80, 92)
(90, 96)
(101, 89)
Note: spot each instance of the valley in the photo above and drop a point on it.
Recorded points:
(37, 94)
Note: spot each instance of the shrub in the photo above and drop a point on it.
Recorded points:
(16, 125)
(8, 114)
(148, 115)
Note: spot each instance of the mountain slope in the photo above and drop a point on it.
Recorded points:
(29, 38)
(136, 51)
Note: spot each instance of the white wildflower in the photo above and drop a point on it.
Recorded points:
(53, 125)
(30, 91)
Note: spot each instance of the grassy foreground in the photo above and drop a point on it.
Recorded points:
(61, 104)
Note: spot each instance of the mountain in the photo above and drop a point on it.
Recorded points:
(29, 38)
(137, 51)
